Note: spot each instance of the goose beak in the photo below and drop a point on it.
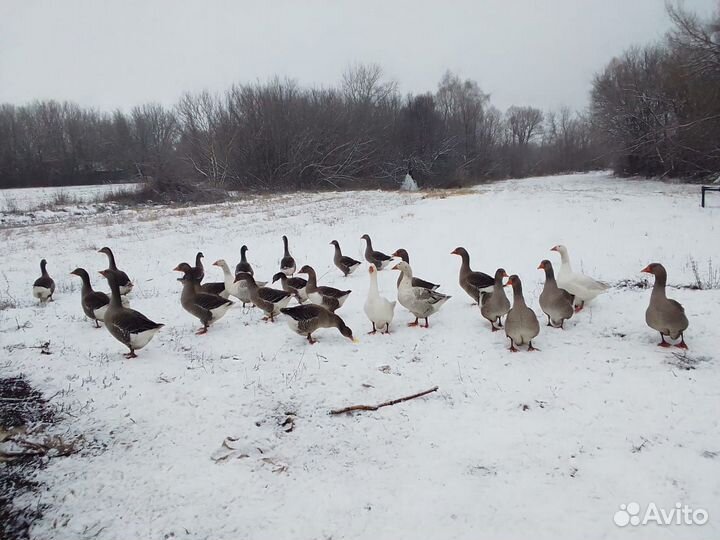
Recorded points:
(554, 248)
(396, 267)
(177, 269)
(540, 266)
(646, 270)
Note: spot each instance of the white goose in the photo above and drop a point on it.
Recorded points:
(238, 289)
(419, 301)
(378, 309)
(583, 287)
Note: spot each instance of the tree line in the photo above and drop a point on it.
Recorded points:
(653, 111)
(656, 109)
(277, 135)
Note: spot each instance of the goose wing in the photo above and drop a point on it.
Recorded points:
(272, 295)
(133, 322)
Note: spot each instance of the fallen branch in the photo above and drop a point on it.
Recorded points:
(383, 404)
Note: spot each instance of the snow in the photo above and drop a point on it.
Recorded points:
(27, 199)
(193, 439)
(409, 184)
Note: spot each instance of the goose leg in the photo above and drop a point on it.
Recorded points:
(97, 324)
(374, 330)
(311, 340)
(531, 348)
(387, 328)
(512, 345)
(663, 343)
(414, 323)
(682, 344)
(427, 323)
(580, 306)
(548, 316)
(131, 354)
(499, 322)
(202, 331)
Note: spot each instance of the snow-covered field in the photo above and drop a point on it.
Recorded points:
(527, 445)
(31, 199)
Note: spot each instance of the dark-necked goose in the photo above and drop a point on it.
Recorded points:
(122, 279)
(207, 307)
(521, 324)
(419, 301)
(244, 265)
(328, 297)
(287, 263)
(294, 285)
(495, 305)
(271, 301)
(416, 281)
(94, 303)
(556, 303)
(378, 258)
(129, 327)
(665, 315)
(198, 271)
(44, 286)
(347, 265)
(473, 283)
(307, 318)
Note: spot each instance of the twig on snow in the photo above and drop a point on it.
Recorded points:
(383, 404)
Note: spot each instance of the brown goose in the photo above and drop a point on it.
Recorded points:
(123, 281)
(495, 305)
(94, 303)
(129, 327)
(665, 315)
(287, 263)
(328, 297)
(244, 265)
(521, 324)
(198, 271)
(44, 286)
(556, 303)
(294, 285)
(347, 265)
(416, 282)
(207, 307)
(473, 283)
(271, 301)
(305, 319)
(378, 258)
(210, 287)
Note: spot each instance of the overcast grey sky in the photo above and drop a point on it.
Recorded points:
(119, 53)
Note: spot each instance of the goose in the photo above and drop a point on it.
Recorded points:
(347, 265)
(271, 301)
(94, 303)
(665, 315)
(44, 286)
(328, 297)
(495, 305)
(287, 263)
(123, 281)
(378, 258)
(521, 323)
(377, 308)
(244, 265)
(295, 285)
(417, 282)
(238, 289)
(584, 288)
(305, 319)
(473, 283)
(129, 327)
(556, 303)
(207, 307)
(419, 301)
(198, 271)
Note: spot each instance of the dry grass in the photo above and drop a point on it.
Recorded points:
(450, 192)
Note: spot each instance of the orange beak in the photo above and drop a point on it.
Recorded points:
(177, 269)
(554, 248)
(541, 266)
(454, 252)
(646, 270)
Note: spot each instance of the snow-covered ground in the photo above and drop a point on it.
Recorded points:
(527, 445)
(31, 199)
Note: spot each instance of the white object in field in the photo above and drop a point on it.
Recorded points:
(409, 184)
(583, 287)
(377, 308)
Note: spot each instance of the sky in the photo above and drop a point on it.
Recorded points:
(120, 53)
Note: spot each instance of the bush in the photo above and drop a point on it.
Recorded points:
(165, 191)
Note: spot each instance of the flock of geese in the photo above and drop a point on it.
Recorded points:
(562, 296)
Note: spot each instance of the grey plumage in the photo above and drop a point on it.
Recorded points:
(521, 323)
